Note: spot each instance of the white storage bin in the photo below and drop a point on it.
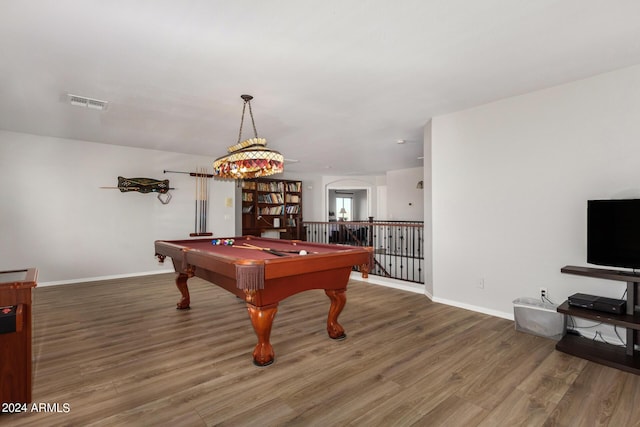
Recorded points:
(539, 318)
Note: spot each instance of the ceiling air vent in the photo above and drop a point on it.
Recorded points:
(82, 101)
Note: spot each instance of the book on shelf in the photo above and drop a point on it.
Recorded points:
(294, 187)
(293, 209)
(272, 210)
(247, 209)
(271, 186)
(270, 198)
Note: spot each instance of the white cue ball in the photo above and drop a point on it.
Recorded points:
(303, 252)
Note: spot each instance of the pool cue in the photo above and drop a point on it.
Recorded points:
(199, 198)
(205, 182)
(269, 249)
(250, 246)
(199, 184)
(188, 173)
(258, 248)
(195, 226)
(204, 201)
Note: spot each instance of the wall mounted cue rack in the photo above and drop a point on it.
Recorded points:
(201, 199)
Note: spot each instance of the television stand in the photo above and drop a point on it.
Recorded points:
(627, 358)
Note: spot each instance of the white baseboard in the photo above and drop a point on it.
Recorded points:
(484, 310)
(391, 283)
(420, 289)
(95, 279)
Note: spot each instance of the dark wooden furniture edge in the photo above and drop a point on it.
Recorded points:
(601, 273)
(17, 368)
(605, 354)
(625, 358)
(625, 320)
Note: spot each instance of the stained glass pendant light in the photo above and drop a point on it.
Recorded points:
(250, 158)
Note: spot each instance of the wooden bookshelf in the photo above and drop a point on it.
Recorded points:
(272, 205)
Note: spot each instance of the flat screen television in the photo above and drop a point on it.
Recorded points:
(613, 233)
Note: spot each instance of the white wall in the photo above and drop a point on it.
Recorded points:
(382, 207)
(428, 209)
(511, 182)
(405, 202)
(53, 215)
(312, 195)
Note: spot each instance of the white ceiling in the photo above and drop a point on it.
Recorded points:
(335, 82)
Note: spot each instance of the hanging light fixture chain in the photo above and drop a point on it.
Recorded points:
(247, 100)
(241, 122)
(255, 132)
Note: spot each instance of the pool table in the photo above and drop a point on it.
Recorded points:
(263, 272)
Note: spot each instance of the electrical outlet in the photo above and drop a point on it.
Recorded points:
(544, 293)
(480, 284)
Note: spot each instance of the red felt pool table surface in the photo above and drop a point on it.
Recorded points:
(263, 279)
(241, 249)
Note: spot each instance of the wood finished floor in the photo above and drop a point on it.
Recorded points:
(120, 355)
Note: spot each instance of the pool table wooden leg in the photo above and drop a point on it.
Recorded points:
(364, 268)
(262, 320)
(181, 283)
(338, 299)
